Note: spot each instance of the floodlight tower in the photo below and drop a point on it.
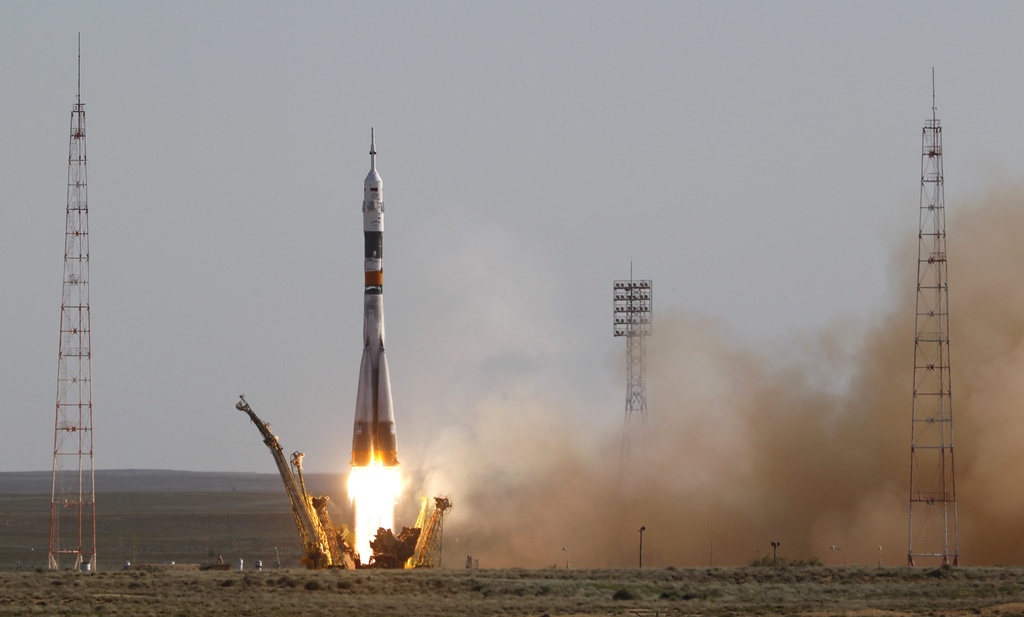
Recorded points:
(73, 496)
(632, 304)
(932, 513)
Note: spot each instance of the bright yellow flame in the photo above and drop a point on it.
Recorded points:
(373, 490)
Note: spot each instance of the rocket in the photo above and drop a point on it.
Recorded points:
(373, 436)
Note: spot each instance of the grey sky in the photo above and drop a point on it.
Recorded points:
(758, 161)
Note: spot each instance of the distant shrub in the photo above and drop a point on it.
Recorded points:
(766, 561)
(286, 581)
(251, 580)
(945, 571)
(228, 582)
(345, 585)
(623, 594)
(313, 585)
(675, 594)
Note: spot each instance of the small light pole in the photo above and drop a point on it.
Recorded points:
(566, 557)
(879, 556)
(836, 548)
(642, 529)
(775, 546)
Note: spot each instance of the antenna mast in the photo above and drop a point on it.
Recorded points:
(73, 496)
(932, 515)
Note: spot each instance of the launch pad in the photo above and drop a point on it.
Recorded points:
(326, 546)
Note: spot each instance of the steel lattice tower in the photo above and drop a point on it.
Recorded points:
(632, 312)
(932, 518)
(73, 497)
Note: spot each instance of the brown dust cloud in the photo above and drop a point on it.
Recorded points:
(806, 444)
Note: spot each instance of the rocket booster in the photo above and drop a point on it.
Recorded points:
(373, 436)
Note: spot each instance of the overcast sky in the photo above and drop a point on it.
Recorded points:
(759, 161)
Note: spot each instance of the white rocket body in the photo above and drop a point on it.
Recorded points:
(373, 437)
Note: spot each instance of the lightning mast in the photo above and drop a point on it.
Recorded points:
(932, 513)
(632, 304)
(73, 496)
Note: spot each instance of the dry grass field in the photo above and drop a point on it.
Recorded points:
(153, 520)
(813, 591)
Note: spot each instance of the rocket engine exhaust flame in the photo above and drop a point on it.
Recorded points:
(374, 482)
(373, 489)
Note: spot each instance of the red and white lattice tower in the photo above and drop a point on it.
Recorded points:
(73, 497)
(932, 516)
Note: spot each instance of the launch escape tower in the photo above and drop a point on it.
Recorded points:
(632, 313)
(932, 514)
(73, 498)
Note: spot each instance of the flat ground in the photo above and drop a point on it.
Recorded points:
(159, 517)
(155, 518)
(811, 591)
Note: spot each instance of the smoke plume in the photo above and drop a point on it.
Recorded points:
(806, 444)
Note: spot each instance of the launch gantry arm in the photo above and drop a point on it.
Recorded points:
(430, 534)
(316, 540)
